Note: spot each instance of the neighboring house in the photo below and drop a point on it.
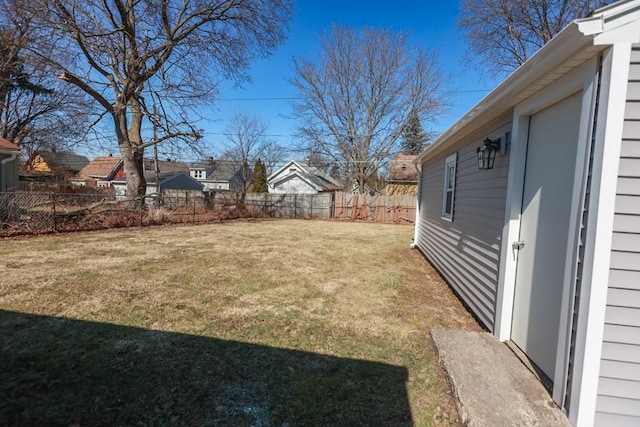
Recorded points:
(355, 189)
(201, 170)
(101, 171)
(54, 165)
(9, 154)
(545, 247)
(149, 165)
(166, 169)
(403, 177)
(298, 178)
(172, 183)
(220, 175)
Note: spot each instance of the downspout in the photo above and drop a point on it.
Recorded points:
(416, 223)
(2, 163)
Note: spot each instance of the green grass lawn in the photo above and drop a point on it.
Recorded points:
(254, 323)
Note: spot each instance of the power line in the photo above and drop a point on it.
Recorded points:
(294, 98)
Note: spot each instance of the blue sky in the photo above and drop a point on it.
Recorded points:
(430, 24)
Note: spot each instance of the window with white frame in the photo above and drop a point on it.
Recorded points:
(448, 193)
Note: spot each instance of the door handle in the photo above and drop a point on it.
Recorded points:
(518, 244)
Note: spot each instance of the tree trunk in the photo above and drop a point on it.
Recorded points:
(132, 156)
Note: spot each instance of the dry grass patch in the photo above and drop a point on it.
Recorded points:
(243, 323)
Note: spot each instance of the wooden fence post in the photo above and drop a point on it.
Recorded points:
(332, 206)
(295, 206)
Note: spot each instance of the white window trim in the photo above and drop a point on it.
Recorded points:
(452, 160)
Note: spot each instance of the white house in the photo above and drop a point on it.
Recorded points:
(298, 178)
(544, 248)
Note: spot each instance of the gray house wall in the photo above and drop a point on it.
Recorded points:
(619, 383)
(466, 250)
(8, 174)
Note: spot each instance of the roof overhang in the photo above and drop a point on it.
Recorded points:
(9, 151)
(575, 44)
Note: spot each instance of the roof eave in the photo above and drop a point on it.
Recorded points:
(563, 46)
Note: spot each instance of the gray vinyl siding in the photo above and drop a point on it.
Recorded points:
(619, 384)
(466, 250)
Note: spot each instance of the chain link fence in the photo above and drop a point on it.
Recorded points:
(45, 212)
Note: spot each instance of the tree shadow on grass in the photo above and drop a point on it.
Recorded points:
(58, 371)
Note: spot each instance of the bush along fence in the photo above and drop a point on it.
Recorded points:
(44, 212)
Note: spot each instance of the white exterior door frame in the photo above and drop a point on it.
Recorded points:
(593, 300)
(581, 79)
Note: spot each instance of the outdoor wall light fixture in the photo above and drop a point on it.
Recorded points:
(487, 153)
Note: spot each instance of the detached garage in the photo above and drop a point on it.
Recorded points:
(529, 206)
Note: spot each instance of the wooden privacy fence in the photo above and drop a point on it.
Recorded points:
(377, 208)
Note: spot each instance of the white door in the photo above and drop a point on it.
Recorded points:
(544, 230)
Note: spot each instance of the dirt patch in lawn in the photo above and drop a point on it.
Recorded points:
(244, 323)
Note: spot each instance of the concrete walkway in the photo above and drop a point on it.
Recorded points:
(491, 385)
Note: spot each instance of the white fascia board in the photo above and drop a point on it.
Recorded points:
(276, 173)
(630, 31)
(274, 176)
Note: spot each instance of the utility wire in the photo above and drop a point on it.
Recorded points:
(293, 98)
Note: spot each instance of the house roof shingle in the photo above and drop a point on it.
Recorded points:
(64, 160)
(224, 170)
(165, 166)
(101, 167)
(7, 145)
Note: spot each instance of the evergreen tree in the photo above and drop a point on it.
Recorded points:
(414, 138)
(259, 178)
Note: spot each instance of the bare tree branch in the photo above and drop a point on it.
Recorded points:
(503, 34)
(246, 142)
(119, 51)
(357, 99)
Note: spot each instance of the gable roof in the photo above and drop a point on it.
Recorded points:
(165, 166)
(313, 176)
(226, 170)
(62, 160)
(101, 168)
(578, 42)
(8, 146)
(179, 181)
(402, 169)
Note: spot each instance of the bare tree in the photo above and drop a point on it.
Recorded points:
(503, 34)
(37, 111)
(356, 100)
(246, 142)
(123, 52)
(273, 154)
